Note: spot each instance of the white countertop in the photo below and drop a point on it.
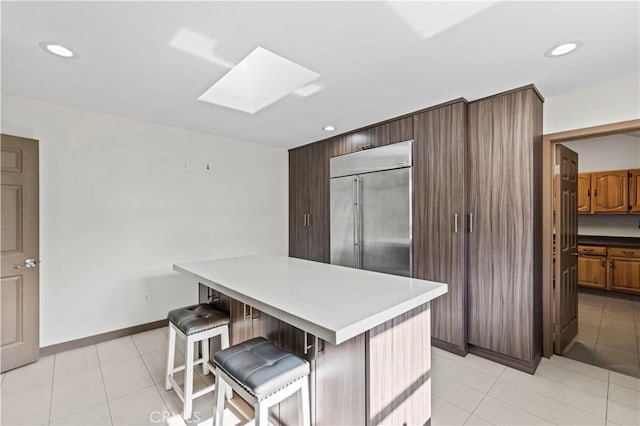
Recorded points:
(332, 302)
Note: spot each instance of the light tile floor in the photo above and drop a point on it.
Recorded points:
(608, 331)
(120, 383)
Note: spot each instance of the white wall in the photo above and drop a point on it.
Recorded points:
(118, 208)
(614, 152)
(612, 102)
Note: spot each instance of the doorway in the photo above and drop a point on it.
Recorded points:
(597, 293)
(19, 335)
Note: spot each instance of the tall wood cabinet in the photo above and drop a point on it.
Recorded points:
(504, 181)
(309, 202)
(439, 152)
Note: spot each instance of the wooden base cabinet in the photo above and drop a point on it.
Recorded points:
(612, 268)
(624, 270)
(381, 376)
(504, 251)
(592, 271)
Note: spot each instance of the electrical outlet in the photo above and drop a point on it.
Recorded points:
(147, 298)
(185, 164)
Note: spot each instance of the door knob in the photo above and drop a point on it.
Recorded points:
(29, 263)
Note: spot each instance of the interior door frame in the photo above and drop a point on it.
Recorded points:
(548, 145)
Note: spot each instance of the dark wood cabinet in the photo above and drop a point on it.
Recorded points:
(439, 225)
(309, 202)
(504, 204)
(382, 134)
(610, 191)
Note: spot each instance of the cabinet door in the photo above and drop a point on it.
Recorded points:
(264, 325)
(317, 237)
(634, 190)
(592, 271)
(503, 162)
(624, 274)
(610, 191)
(584, 192)
(438, 215)
(383, 134)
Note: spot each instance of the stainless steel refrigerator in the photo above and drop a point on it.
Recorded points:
(371, 209)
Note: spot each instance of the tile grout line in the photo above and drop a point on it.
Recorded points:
(473, 412)
(104, 386)
(53, 377)
(606, 408)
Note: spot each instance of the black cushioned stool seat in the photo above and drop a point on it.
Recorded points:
(197, 318)
(260, 367)
(198, 324)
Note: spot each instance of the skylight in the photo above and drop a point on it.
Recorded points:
(259, 80)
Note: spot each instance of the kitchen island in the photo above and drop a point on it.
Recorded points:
(366, 334)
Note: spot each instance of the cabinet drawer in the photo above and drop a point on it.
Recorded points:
(624, 252)
(592, 250)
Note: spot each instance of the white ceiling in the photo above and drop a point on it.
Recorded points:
(151, 60)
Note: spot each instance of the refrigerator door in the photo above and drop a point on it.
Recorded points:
(385, 203)
(342, 204)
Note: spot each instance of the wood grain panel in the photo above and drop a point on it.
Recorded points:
(319, 214)
(399, 370)
(298, 202)
(610, 191)
(634, 190)
(592, 271)
(504, 137)
(584, 192)
(624, 274)
(438, 215)
(341, 383)
(378, 135)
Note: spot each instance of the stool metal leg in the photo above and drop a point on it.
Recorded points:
(204, 349)
(262, 414)
(218, 399)
(188, 378)
(305, 415)
(171, 353)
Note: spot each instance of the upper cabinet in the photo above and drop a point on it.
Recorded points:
(383, 134)
(584, 192)
(614, 191)
(634, 190)
(610, 191)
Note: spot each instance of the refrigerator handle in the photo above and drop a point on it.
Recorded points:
(356, 222)
(455, 223)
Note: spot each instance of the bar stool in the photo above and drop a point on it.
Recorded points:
(262, 375)
(197, 323)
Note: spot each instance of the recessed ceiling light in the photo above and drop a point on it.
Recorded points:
(57, 49)
(329, 128)
(562, 49)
